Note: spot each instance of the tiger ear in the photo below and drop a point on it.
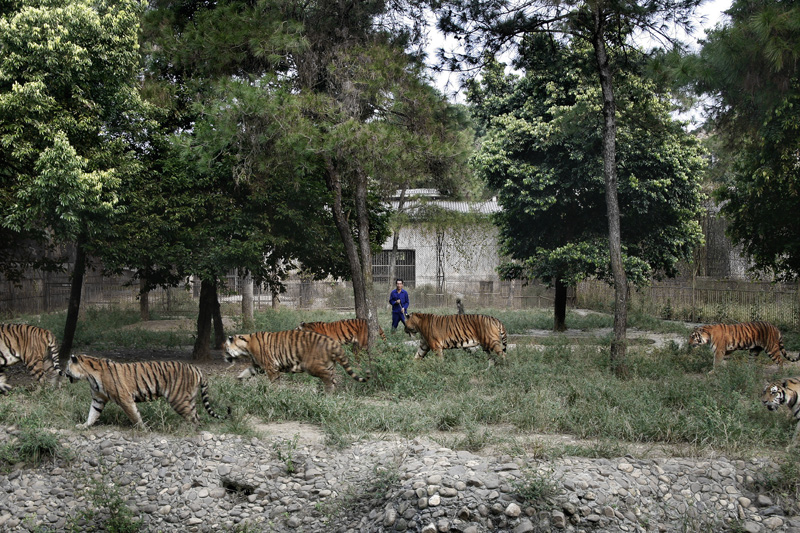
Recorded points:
(73, 358)
(230, 338)
(785, 384)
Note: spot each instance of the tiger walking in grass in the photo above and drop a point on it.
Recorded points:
(290, 351)
(36, 347)
(753, 336)
(443, 332)
(130, 383)
(353, 331)
(784, 392)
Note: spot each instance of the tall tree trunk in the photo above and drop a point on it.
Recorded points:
(248, 319)
(618, 345)
(216, 314)
(74, 305)
(560, 304)
(276, 300)
(396, 239)
(334, 184)
(202, 345)
(366, 259)
(144, 300)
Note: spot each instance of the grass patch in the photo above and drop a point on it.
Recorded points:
(101, 328)
(558, 387)
(32, 445)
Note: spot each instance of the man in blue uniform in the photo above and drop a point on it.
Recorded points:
(399, 300)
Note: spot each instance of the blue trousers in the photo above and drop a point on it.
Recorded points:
(397, 317)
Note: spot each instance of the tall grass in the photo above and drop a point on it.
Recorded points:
(668, 398)
(106, 328)
(560, 387)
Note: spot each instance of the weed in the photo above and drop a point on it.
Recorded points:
(783, 483)
(284, 450)
(32, 445)
(535, 488)
(107, 510)
(365, 497)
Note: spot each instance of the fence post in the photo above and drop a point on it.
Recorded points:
(694, 281)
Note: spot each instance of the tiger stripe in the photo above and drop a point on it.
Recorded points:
(753, 336)
(128, 383)
(36, 347)
(353, 331)
(290, 351)
(444, 332)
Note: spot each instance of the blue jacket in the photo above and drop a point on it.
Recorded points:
(403, 297)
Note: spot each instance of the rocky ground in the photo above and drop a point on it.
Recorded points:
(210, 482)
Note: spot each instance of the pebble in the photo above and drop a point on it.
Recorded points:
(224, 482)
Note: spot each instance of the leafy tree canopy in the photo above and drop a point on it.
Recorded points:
(68, 103)
(542, 153)
(749, 67)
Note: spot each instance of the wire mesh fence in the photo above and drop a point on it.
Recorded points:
(701, 299)
(704, 300)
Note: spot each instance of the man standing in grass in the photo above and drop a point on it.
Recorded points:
(399, 300)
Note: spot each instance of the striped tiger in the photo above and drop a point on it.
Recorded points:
(129, 383)
(784, 392)
(36, 347)
(353, 331)
(754, 336)
(290, 351)
(442, 332)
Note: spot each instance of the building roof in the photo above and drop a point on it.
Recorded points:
(486, 207)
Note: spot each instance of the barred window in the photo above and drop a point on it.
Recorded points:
(406, 268)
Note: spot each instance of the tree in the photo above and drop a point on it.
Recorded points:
(68, 103)
(749, 66)
(542, 153)
(486, 26)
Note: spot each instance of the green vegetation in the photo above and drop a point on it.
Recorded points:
(284, 451)
(106, 511)
(555, 386)
(32, 445)
(536, 487)
(366, 497)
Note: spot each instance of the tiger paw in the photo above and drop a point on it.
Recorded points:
(4, 389)
(81, 426)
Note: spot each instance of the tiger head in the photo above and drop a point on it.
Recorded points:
(237, 346)
(79, 367)
(412, 323)
(774, 395)
(699, 336)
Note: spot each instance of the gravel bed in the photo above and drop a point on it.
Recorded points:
(210, 482)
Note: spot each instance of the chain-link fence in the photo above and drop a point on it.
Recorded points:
(704, 299)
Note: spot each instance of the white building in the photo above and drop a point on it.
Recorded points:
(446, 246)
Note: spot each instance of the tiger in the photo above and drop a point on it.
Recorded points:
(754, 336)
(784, 392)
(36, 347)
(350, 331)
(290, 351)
(441, 332)
(129, 383)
